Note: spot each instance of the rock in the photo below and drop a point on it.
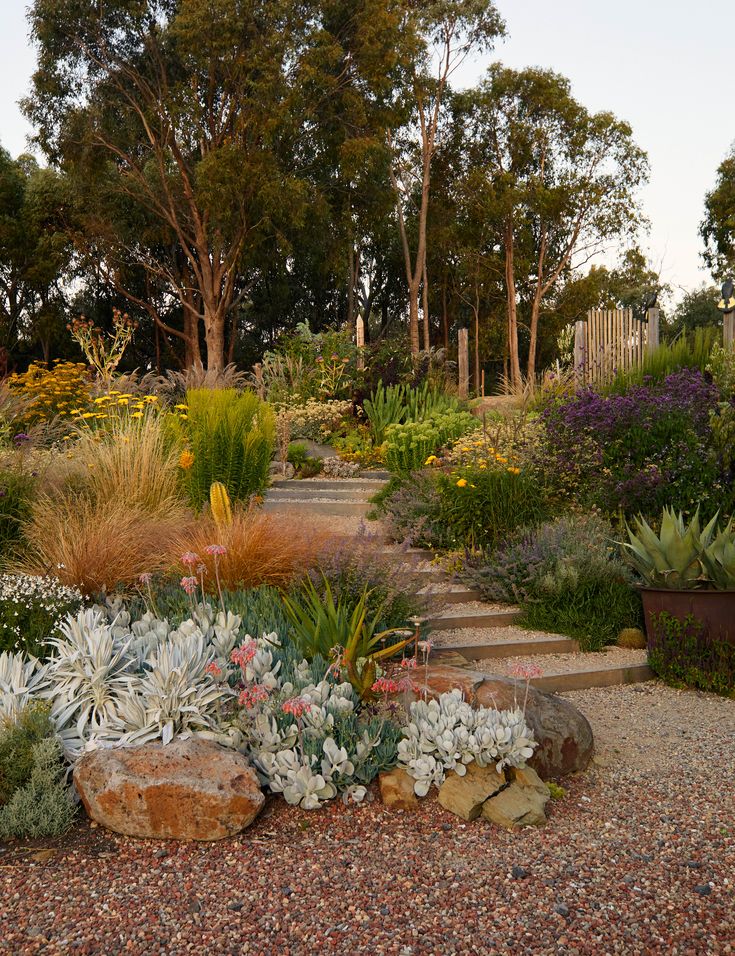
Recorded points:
(562, 909)
(632, 637)
(704, 890)
(396, 790)
(521, 804)
(188, 790)
(280, 469)
(564, 735)
(465, 795)
(518, 873)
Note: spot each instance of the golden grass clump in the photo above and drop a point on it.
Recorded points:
(261, 548)
(96, 545)
(113, 512)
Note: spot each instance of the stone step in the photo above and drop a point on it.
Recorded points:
(363, 485)
(310, 494)
(593, 676)
(378, 474)
(439, 593)
(522, 647)
(453, 620)
(314, 506)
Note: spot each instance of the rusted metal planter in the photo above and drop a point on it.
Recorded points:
(713, 610)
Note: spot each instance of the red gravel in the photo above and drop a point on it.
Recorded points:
(630, 862)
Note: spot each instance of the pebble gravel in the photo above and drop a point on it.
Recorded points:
(638, 857)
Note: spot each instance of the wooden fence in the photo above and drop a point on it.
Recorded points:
(612, 340)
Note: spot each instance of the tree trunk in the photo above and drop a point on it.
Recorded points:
(533, 345)
(413, 317)
(214, 337)
(425, 306)
(510, 288)
(477, 341)
(445, 314)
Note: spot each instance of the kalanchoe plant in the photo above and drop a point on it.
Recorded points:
(682, 556)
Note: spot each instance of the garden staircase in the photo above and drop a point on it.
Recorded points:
(464, 630)
(324, 496)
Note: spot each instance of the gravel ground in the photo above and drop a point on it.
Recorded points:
(637, 858)
(485, 635)
(564, 663)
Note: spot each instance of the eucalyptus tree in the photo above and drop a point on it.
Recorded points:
(564, 180)
(718, 226)
(444, 34)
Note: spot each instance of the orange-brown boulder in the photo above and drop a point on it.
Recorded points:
(187, 790)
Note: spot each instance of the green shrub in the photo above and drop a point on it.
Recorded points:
(16, 493)
(231, 436)
(17, 739)
(30, 610)
(42, 807)
(692, 351)
(409, 446)
(682, 654)
(386, 406)
(566, 575)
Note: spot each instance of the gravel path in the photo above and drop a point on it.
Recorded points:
(637, 858)
(455, 637)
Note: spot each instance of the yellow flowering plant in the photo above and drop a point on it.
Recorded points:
(62, 390)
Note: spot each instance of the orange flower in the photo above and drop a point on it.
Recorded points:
(186, 460)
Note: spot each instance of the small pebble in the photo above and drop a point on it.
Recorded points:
(519, 873)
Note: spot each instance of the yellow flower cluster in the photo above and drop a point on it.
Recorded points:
(54, 391)
(113, 404)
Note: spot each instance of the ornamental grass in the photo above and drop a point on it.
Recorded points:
(261, 549)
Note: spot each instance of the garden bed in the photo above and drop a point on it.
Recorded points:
(638, 858)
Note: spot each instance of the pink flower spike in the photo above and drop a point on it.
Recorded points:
(296, 706)
(189, 558)
(408, 663)
(189, 585)
(243, 654)
(526, 671)
(145, 578)
(385, 685)
(216, 550)
(201, 569)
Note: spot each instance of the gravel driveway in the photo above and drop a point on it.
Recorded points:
(638, 857)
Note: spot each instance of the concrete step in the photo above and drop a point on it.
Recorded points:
(310, 494)
(316, 507)
(378, 474)
(453, 620)
(524, 647)
(363, 485)
(439, 593)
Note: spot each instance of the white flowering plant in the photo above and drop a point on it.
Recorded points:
(31, 609)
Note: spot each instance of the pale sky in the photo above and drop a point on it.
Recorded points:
(666, 67)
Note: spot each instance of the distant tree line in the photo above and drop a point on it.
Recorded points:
(225, 169)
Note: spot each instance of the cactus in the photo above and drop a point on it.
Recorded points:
(219, 502)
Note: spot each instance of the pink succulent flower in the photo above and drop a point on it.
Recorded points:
(189, 585)
(243, 654)
(252, 696)
(189, 558)
(385, 685)
(145, 578)
(296, 706)
(216, 550)
(214, 669)
(526, 671)
(408, 663)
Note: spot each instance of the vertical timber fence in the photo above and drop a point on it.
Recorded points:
(612, 340)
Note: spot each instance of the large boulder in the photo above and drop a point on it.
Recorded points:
(187, 790)
(564, 736)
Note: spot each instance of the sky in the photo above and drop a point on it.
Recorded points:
(667, 68)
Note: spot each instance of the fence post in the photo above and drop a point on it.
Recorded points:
(360, 340)
(580, 359)
(463, 363)
(652, 316)
(728, 330)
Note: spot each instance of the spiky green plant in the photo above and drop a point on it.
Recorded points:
(672, 558)
(718, 559)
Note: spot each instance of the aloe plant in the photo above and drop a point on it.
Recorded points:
(718, 559)
(674, 557)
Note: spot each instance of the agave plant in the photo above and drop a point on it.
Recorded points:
(718, 559)
(673, 558)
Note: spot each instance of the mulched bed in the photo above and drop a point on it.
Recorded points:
(633, 860)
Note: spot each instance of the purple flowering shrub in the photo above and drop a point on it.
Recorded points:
(635, 452)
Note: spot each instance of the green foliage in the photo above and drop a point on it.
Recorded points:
(322, 626)
(721, 367)
(567, 577)
(409, 445)
(304, 465)
(681, 555)
(16, 493)
(480, 506)
(31, 608)
(17, 740)
(718, 227)
(689, 350)
(386, 406)
(43, 806)
(231, 436)
(682, 654)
